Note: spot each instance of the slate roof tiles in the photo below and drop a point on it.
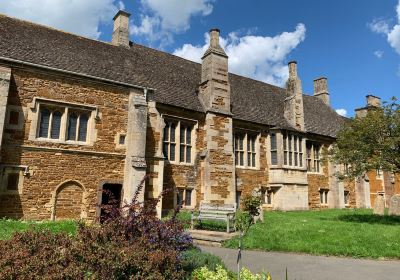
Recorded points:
(174, 79)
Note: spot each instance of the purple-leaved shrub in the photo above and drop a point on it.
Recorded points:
(131, 243)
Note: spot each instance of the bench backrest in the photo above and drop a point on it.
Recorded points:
(217, 208)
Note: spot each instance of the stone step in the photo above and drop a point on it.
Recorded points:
(210, 238)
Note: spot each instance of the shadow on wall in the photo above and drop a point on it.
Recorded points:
(370, 219)
(10, 206)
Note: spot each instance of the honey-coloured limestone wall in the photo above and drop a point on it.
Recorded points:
(51, 163)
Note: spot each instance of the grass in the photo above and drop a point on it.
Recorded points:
(353, 233)
(9, 227)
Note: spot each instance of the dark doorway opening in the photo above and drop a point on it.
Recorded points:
(110, 199)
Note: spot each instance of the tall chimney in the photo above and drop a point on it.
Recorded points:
(321, 89)
(293, 107)
(214, 89)
(373, 102)
(120, 36)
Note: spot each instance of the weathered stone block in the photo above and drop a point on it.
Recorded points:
(394, 206)
(379, 206)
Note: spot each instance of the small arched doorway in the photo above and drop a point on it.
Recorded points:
(69, 201)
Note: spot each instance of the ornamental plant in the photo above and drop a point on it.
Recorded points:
(131, 243)
(222, 274)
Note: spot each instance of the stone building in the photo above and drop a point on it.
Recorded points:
(79, 116)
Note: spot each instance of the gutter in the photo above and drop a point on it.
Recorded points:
(24, 63)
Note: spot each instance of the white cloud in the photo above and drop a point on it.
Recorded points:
(379, 26)
(258, 57)
(393, 34)
(80, 17)
(121, 5)
(394, 38)
(342, 112)
(162, 19)
(378, 54)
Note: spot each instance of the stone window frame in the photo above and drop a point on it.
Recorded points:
(246, 133)
(117, 140)
(5, 171)
(273, 150)
(183, 191)
(178, 121)
(280, 163)
(379, 174)
(293, 150)
(268, 197)
(323, 196)
(21, 117)
(314, 158)
(346, 194)
(64, 107)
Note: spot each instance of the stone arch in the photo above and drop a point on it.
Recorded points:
(69, 201)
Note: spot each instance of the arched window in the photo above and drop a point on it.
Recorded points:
(44, 123)
(72, 125)
(56, 125)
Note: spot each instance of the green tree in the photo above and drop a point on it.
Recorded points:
(371, 142)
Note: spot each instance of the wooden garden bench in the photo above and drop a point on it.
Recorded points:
(221, 212)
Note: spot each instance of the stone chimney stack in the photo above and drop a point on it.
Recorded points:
(293, 107)
(214, 89)
(321, 89)
(120, 36)
(219, 184)
(372, 102)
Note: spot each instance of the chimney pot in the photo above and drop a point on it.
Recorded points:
(292, 69)
(120, 36)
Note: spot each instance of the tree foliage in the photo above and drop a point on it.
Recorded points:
(371, 142)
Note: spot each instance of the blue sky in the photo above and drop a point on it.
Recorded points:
(355, 44)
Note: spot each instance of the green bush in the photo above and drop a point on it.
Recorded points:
(251, 204)
(194, 259)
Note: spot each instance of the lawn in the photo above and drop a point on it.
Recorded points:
(9, 227)
(354, 233)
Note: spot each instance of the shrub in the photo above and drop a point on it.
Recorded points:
(132, 243)
(251, 204)
(220, 273)
(194, 259)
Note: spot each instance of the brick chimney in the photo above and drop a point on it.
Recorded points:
(214, 90)
(372, 103)
(321, 89)
(120, 36)
(293, 107)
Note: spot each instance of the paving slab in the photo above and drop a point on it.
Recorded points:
(307, 267)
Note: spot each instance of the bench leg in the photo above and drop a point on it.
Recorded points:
(227, 226)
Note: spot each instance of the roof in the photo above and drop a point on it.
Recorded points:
(174, 79)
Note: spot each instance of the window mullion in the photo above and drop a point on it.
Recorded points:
(50, 125)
